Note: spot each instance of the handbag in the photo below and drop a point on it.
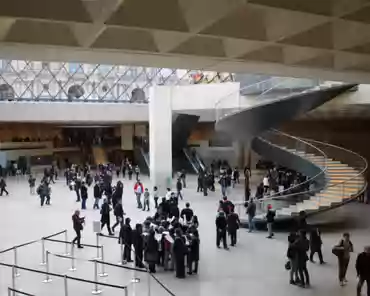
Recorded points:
(288, 265)
(337, 251)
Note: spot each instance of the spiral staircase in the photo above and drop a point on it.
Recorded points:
(335, 174)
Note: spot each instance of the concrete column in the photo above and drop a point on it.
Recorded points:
(239, 154)
(160, 136)
(127, 134)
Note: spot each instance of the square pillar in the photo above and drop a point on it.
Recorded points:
(160, 137)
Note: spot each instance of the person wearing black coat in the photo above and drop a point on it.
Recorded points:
(200, 182)
(363, 270)
(105, 216)
(270, 217)
(151, 251)
(138, 243)
(97, 195)
(78, 227)
(179, 251)
(302, 245)
(2, 187)
(221, 227)
(233, 223)
(84, 195)
(315, 245)
(125, 237)
(117, 194)
(193, 256)
(78, 184)
(118, 213)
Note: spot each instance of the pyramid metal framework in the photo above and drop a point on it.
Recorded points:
(23, 80)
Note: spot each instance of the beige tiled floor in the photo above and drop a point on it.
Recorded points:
(255, 266)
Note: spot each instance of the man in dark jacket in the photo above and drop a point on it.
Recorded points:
(179, 251)
(221, 227)
(270, 217)
(118, 213)
(251, 212)
(2, 187)
(227, 206)
(233, 223)
(200, 182)
(363, 270)
(78, 184)
(125, 237)
(302, 245)
(84, 195)
(193, 256)
(315, 244)
(97, 195)
(179, 188)
(187, 213)
(105, 216)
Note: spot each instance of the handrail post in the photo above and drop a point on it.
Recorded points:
(149, 275)
(65, 285)
(96, 290)
(47, 279)
(103, 273)
(97, 247)
(16, 273)
(121, 258)
(73, 266)
(42, 252)
(66, 244)
(13, 279)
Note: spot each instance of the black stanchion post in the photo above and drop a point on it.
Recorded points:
(42, 252)
(103, 273)
(149, 292)
(47, 279)
(96, 290)
(135, 279)
(16, 262)
(73, 265)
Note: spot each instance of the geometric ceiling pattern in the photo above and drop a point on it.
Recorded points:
(324, 34)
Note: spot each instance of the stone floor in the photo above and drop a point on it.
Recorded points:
(255, 266)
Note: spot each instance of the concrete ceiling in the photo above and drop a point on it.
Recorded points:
(311, 38)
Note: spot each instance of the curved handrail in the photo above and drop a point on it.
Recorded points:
(308, 180)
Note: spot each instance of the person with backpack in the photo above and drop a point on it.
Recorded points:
(343, 251)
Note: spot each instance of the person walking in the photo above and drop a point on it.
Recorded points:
(363, 270)
(146, 200)
(270, 217)
(137, 172)
(251, 212)
(97, 195)
(138, 189)
(315, 245)
(32, 184)
(221, 228)
(233, 224)
(105, 216)
(343, 251)
(84, 195)
(78, 227)
(292, 254)
(179, 188)
(118, 213)
(3, 187)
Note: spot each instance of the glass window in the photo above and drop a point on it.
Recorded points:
(75, 67)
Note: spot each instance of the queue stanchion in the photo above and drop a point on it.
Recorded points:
(65, 285)
(16, 273)
(66, 244)
(149, 276)
(73, 263)
(47, 279)
(97, 247)
(103, 273)
(13, 279)
(126, 291)
(121, 259)
(96, 290)
(42, 252)
(135, 279)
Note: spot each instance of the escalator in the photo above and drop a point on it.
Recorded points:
(141, 154)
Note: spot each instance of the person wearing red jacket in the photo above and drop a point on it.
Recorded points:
(138, 189)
